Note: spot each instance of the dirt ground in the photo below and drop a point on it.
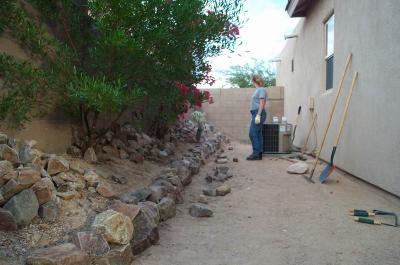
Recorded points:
(275, 218)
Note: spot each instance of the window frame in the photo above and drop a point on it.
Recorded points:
(329, 56)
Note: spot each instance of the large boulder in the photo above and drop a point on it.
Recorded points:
(65, 254)
(9, 154)
(23, 206)
(7, 221)
(114, 226)
(57, 164)
(146, 228)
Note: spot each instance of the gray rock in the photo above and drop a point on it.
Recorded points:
(210, 191)
(90, 155)
(221, 161)
(167, 208)
(25, 154)
(134, 197)
(23, 206)
(146, 229)
(200, 210)
(298, 168)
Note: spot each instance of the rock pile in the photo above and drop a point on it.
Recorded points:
(32, 184)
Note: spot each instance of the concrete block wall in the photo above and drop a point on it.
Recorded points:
(230, 112)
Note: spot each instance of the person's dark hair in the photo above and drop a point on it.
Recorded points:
(258, 80)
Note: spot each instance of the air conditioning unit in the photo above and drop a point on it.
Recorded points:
(277, 138)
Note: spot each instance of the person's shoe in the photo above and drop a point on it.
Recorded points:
(254, 157)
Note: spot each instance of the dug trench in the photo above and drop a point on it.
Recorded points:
(104, 206)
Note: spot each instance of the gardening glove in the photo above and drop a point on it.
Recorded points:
(257, 120)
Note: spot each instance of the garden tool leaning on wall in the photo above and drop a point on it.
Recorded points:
(361, 217)
(339, 89)
(330, 167)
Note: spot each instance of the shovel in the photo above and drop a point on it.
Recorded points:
(330, 167)
(339, 89)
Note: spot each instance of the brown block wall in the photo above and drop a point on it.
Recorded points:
(230, 112)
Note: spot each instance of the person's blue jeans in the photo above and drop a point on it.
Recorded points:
(255, 132)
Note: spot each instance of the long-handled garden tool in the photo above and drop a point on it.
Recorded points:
(360, 216)
(309, 178)
(295, 126)
(330, 167)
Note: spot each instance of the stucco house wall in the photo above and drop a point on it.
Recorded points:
(369, 29)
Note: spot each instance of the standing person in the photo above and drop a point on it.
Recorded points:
(258, 117)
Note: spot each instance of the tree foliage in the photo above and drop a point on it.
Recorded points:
(107, 56)
(240, 75)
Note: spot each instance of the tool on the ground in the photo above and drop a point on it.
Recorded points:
(297, 122)
(330, 167)
(362, 214)
(339, 89)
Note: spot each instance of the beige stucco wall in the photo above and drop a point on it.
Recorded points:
(230, 112)
(370, 145)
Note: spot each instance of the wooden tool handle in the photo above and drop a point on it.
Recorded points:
(331, 114)
(308, 134)
(344, 116)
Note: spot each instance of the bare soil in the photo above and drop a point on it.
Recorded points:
(272, 217)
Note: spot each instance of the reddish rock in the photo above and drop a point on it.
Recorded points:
(120, 255)
(91, 243)
(7, 221)
(105, 190)
(10, 189)
(43, 190)
(27, 177)
(129, 210)
(65, 254)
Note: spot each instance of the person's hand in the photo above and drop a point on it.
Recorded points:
(257, 120)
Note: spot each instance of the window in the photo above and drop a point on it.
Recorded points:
(329, 45)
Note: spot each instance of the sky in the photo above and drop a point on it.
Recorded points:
(262, 37)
